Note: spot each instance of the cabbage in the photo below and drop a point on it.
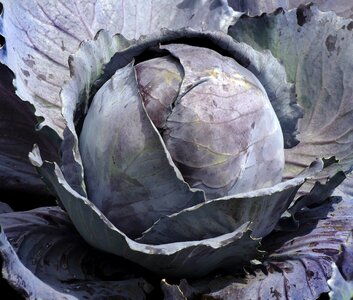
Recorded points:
(182, 148)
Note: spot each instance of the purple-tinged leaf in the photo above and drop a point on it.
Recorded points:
(222, 133)
(41, 35)
(172, 291)
(299, 262)
(47, 259)
(4, 208)
(272, 75)
(192, 258)
(263, 208)
(320, 66)
(262, 64)
(129, 176)
(17, 136)
(344, 263)
(342, 8)
(75, 97)
(88, 78)
(159, 81)
(256, 8)
(345, 260)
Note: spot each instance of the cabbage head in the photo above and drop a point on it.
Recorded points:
(176, 149)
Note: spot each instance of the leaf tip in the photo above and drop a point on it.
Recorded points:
(34, 156)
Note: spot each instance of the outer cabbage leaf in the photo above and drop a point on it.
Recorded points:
(344, 263)
(256, 8)
(342, 8)
(176, 259)
(172, 292)
(319, 66)
(47, 259)
(190, 259)
(41, 35)
(299, 262)
(5, 208)
(263, 208)
(17, 135)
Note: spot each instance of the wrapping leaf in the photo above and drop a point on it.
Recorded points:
(215, 217)
(299, 262)
(76, 94)
(222, 133)
(38, 43)
(192, 259)
(319, 66)
(121, 172)
(47, 259)
(272, 75)
(182, 258)
(159, 81)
